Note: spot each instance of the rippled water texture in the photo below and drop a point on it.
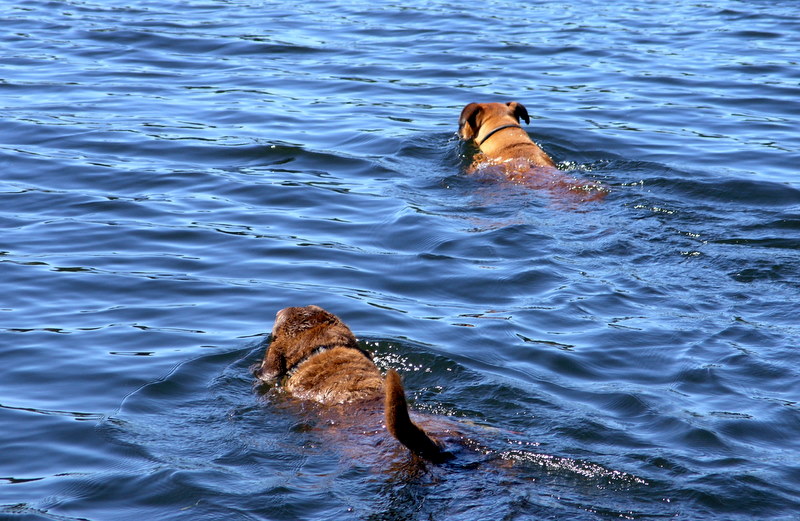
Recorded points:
(173, 173)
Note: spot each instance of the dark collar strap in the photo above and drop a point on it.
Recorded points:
(317, 350)
(321, 349)
(495, 131)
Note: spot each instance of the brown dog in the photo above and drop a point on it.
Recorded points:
(508, 150)
(319, 356)
(497, 133)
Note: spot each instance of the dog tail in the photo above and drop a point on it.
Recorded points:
(400, 425)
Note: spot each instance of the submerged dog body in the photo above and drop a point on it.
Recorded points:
(321, 361)
(507, 150)
(496, 131)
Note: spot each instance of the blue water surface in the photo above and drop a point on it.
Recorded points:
(175, 172)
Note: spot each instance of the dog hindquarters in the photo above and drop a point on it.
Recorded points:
(401, 427)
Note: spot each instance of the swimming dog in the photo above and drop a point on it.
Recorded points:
(508, 152)
(497, 133)
(318, 358)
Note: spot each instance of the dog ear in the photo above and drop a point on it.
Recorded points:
(467, 123)
(273, 366)
(519, 111)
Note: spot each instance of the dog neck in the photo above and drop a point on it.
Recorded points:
(319, 350)
(495, 131)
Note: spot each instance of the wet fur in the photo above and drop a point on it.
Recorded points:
(319, 359)
(478, 120)
(509, 153)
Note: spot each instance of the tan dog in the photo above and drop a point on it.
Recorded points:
(496, 131)
(507, 150)
(319, 356)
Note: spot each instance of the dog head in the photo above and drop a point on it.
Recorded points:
(298, 333)
(476, 115)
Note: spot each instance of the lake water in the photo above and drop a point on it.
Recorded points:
(173, 173)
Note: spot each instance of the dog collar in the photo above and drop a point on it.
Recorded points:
(319, 350)
(495, 131)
